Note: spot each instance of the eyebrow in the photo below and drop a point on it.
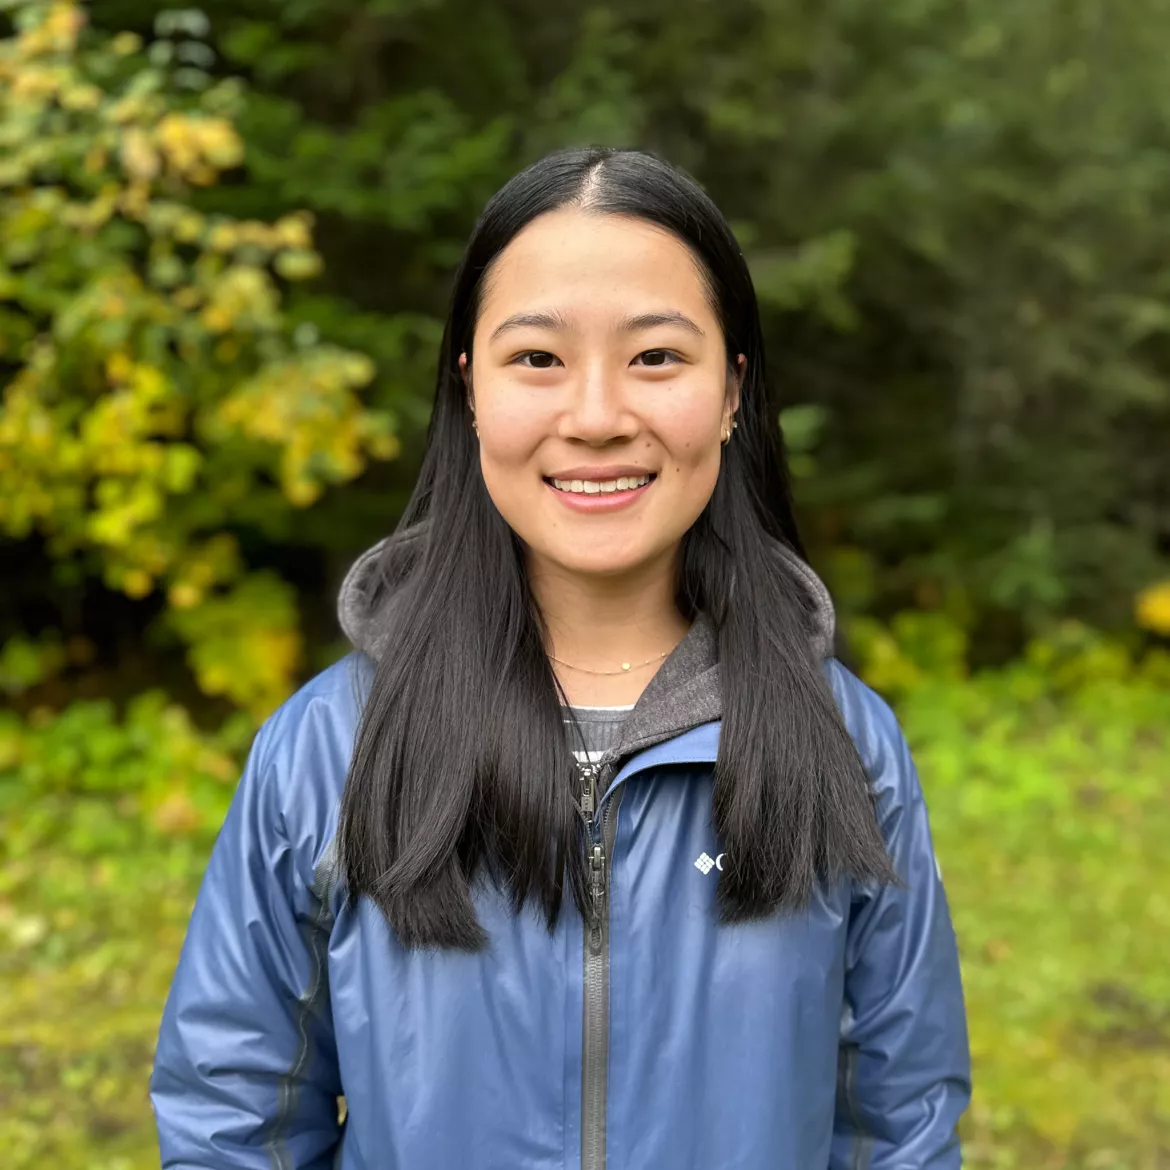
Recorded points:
(559, 323)
(645, 321)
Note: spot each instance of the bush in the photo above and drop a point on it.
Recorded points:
(157, 398)
(108, 823)
(1047, 787)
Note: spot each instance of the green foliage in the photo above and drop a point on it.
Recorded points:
(940, 204)
(108, 822)
(1046, 784)
(156, 392)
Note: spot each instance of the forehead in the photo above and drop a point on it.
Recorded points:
(574, 259)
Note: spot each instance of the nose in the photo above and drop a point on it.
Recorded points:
(597, 411)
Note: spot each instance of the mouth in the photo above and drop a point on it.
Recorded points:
(622, 485)
(589, 496)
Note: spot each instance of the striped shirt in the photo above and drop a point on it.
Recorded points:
(600, 728)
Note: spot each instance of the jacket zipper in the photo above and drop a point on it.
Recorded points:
(595, 1025)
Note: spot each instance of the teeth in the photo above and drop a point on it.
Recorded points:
(592, 487)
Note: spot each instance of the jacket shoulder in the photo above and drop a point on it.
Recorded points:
(301, 755)
(880, 741)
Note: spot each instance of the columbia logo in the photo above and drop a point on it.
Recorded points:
(705, 863)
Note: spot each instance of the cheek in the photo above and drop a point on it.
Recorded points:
(689, 434)
(511, 429)
(509, 441)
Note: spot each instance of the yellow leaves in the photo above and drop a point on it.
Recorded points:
(61, 28)
(241, 297)
(176, 814)
(1152, 608)
(357, 369)
(298, 264)
(245, 644)
(294, 231)
(134, 200)
(306, 408)
(176, 139)
(89, 216)
(131, 108)
(123, 506)
(289, 239)
(219, 143)
(81, 97)
(188, 227)
(139, 156)
(126, 43)
(189, 147)
(184, 595)
(137, 583)
(119, 367)
(187, 298)
(96, 159)
(885, 667)
(33, 85)
(298, 491)
(55, 33)
(384, 446)
(216, 561)
(215, 319)
(196, 146)
(157, 353)
(223, 237)
(181, 464)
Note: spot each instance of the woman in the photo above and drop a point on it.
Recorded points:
(591, 854)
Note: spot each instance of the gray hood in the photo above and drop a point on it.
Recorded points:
(682, 694)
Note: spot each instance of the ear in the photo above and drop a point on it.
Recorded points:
(735, 383)
(465, 374)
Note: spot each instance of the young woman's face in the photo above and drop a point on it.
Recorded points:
(598, 365)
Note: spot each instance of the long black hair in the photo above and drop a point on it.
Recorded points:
(461, 764)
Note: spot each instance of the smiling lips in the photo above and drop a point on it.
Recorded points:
(600, 489)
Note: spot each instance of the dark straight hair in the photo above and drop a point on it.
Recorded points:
(461, 763)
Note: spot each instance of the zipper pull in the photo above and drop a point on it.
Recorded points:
(597, 891)
(589, 789)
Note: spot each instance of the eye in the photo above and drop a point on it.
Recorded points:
(657, 358)
(541, 359)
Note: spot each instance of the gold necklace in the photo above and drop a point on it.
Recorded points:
(625, 665)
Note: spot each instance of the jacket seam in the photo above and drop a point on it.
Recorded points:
(316, 932)
(860, 1140)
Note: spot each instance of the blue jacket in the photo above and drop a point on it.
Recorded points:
(828, 1040)
(651, 1039)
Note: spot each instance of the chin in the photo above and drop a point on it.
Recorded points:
(597, 562)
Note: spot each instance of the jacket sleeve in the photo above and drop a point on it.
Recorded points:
(904, 1074)
(245, 1071)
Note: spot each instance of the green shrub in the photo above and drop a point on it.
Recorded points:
(108, 823)
(1048, 784)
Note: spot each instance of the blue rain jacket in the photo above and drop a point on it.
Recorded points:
(834, 1039)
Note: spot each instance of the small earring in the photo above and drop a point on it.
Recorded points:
(475, 427)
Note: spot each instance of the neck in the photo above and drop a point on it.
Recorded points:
(600, 621)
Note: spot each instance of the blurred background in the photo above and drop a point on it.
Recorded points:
(226, 241)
